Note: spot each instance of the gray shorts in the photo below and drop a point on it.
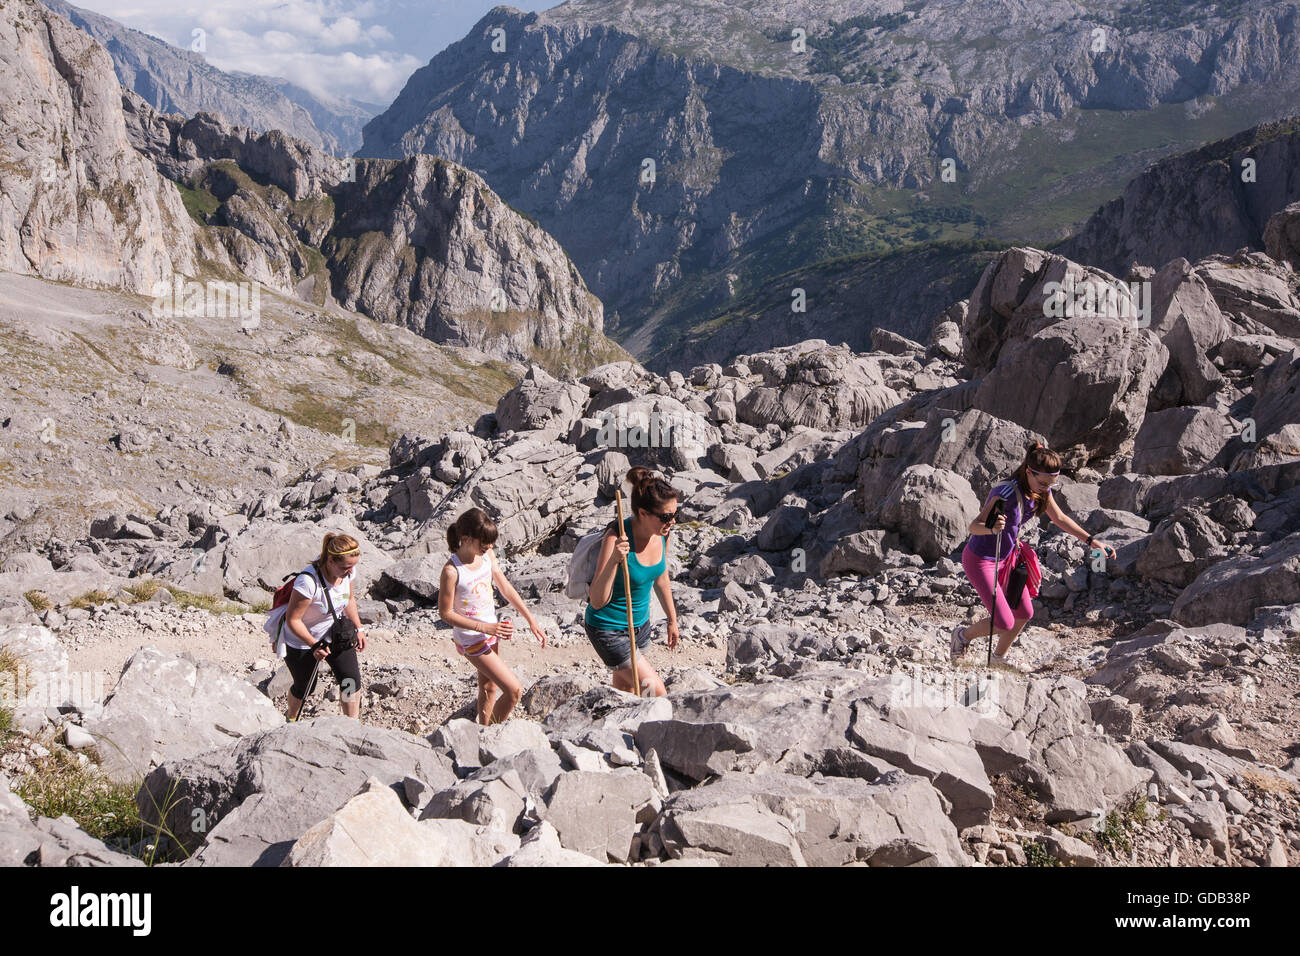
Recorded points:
(613, 646)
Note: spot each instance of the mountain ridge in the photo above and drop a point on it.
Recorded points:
(562, 121)
(173, 80)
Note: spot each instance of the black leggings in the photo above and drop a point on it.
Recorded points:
(346, 668)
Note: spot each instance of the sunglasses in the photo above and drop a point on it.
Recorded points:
(664, 516)
(1045, 474)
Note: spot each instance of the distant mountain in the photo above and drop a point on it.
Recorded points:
(767, 159)
(173, 80)
(1213, 200)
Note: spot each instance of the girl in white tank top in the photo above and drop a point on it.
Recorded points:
(465, 601)
(474, 599)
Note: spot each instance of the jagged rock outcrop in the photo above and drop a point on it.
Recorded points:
(1195, 204)
(77, 203)
(421, 243)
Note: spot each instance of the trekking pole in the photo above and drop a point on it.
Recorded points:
(311, 685)
(627, 593)
(989, 522)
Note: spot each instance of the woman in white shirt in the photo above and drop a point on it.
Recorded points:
(308, 619)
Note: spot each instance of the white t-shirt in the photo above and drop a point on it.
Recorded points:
(317, 616)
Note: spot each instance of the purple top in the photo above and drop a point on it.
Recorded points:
(982, 544)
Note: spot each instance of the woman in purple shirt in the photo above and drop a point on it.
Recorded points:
(1034, 480)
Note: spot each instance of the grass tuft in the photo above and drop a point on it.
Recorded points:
(8, 684)
(38, 601)
(205, 602)
(91, 599)
(144, 590)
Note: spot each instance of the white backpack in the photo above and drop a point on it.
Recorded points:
(582, 566)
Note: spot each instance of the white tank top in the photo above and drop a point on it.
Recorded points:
(473, 598)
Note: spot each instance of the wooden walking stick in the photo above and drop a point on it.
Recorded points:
(627, 594)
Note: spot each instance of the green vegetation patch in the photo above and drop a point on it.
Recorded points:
(199, 203)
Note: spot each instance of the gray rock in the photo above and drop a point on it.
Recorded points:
(1181, 547)
(605, 707)
(248, 803)
(76, 738)
(1166, 775)
(551, 691)
(1200, 762)
(41, 841)
(931, 509)
(1068, 849)
(541, 401)
(496, 802)
(417, 793)
(734, 599)
(166, 708)
(536, 768)
(82, 241)
(1072, 768)
(374, 829)
(773, 819)
(597, 813)
(1234, 589)
(695, 750)
(953, 767)
(412, 577)
(27, 562)
(1282, 235)
(782, 528)
(1114, 714)
(1205, 819)
(1179, 441)
(1215, 732)
(747, 570)
(541, 847)
(512, 737)
(861, 553)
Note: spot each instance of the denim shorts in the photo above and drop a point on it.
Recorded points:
(613, 646)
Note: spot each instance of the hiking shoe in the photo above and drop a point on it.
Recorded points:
(958, 643)
(1011, 662)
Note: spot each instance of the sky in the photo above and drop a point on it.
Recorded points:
(362, 49)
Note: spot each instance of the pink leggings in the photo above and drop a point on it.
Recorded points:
(979, 571)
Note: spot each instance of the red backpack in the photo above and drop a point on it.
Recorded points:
(285, 590)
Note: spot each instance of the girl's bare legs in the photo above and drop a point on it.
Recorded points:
(487, 695)
(491, 667)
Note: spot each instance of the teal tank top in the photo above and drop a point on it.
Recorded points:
(613, 616)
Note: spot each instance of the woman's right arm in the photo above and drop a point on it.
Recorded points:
(612, 550)
(978, 527)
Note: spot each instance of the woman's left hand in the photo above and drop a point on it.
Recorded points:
(673, 634)
(361, 640)
(1104, 548)
(537, 631)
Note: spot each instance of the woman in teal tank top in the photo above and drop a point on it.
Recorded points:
(645, 544)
